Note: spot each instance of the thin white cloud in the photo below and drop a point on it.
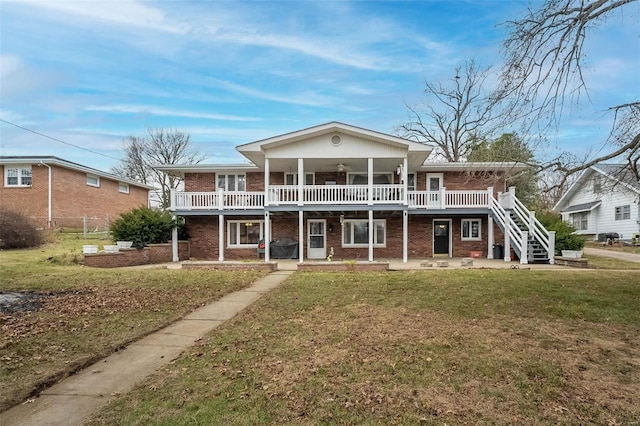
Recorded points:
(152, 110)
(307, 98)
(122, 12)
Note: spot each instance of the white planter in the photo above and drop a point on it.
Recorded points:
(111, 249)
(574, 254)
(89, 249)
(124, 244)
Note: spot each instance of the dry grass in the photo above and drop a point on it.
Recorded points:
(436, 347)
(76, 315)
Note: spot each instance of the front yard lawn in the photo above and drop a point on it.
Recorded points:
(424, 347)
(74, 315)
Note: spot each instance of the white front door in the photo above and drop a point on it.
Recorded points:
(316, 239)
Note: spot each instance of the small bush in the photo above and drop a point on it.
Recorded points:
(145, 226)
(566, 238)
(16, 231)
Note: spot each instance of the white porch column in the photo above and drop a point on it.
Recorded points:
(552, 247)
(490, 238)
(371, 232)
(405, 236)
(267, 237)
(443, 198)
(174, 242)
(220, 238)
(370, 181)
(266, 181)
(524, 250)
(507, 241)
(301, 239)
(405, 178)
(301, 181)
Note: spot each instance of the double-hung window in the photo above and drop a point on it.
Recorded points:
(123, 187)
(244, 233)
(471, 229)
(355, 233)
(580, 221)
(17, 175)
(623, 212)
(232, 182)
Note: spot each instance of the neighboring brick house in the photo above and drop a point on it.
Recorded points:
(365, 195)
(54, 192)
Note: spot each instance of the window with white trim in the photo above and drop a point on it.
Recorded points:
(292, 178)
(355, 233)
(93, 180)
(123, 187)
(18, 175)
(232, 182)
(580, 220)
(471, 229)
(363, 178)
(244, 233)
(623, 212)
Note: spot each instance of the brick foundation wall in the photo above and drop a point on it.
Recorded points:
(152, 254)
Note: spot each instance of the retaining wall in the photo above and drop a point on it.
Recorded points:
(152, 254)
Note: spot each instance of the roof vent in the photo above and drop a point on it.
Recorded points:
(336, 140)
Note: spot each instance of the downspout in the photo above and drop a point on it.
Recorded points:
(48, 195)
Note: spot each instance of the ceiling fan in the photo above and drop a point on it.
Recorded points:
(342, 167)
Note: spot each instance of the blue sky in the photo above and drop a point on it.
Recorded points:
(230, 72)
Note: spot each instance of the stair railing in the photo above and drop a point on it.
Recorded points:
(516, 235)
(536, 230)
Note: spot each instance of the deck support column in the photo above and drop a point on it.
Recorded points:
(490, 238)
(220, 238)
(267, 237)
(371, 234)
(370, 181)
(507, 240)
(174, 241)
(405, 236)
(301, 239)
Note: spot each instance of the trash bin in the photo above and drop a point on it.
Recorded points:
(498, 251)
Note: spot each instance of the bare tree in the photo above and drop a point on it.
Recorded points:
(454, 116)
(544, 69)
(160, 146)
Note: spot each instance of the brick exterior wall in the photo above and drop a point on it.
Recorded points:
(153, 254)
(204, 237)
(71, 197)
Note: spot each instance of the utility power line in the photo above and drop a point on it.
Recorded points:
(58, 140)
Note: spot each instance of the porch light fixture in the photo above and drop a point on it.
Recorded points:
(341, 167)
(248, 224)
(341, 219)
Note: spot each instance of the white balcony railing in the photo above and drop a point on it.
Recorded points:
(279, 195)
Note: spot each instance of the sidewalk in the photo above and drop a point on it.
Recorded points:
(629, 257)
(75, 398)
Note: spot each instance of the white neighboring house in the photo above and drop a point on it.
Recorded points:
(604, 199)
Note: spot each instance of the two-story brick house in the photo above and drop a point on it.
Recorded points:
(54, 192)
(365, 195)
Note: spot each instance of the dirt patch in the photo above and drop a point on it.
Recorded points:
(20, 302)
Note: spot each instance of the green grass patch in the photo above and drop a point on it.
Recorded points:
(424, 347)
(601, 262)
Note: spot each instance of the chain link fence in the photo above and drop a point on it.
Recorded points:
(88, 226)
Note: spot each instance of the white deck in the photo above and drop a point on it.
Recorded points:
(332, 195)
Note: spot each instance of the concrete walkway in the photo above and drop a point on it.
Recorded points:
(629, 257)
(75, 398)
